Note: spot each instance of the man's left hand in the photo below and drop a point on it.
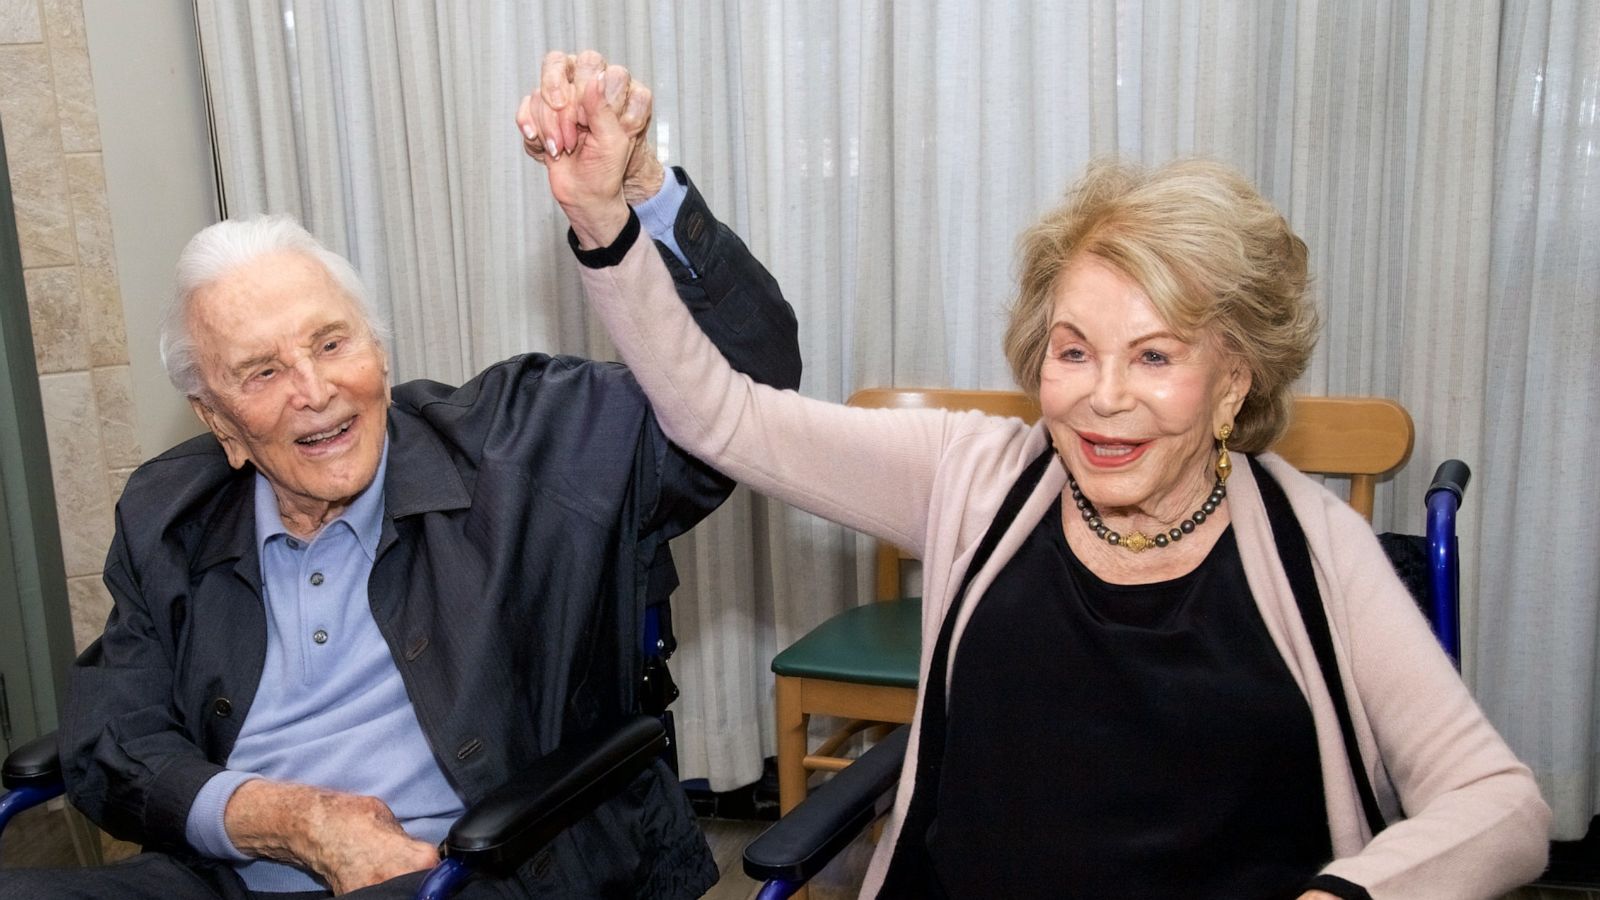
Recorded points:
(586, 123)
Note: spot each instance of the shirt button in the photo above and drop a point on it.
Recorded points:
(294, 544)
(319, 636)
(316, 579)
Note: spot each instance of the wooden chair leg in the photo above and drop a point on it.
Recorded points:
(791, 745)
(791, 752)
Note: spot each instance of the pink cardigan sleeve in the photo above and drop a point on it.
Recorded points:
(872, 470)
(1475, 824)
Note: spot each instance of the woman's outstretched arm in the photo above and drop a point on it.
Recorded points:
(872, 470)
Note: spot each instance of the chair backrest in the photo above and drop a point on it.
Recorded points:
(1010, 404)
(1362, 438)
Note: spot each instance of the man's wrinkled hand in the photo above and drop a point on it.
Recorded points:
(569, 117)
(350, 841)
(360, 843)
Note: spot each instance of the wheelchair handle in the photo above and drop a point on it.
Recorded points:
(1452, 475)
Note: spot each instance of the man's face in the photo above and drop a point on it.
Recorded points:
(295, 383)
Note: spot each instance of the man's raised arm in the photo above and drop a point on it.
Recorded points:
(587, 122)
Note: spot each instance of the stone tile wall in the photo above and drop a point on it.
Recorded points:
(52, 145)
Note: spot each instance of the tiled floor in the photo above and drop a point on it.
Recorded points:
(38, 837)
(44, 836)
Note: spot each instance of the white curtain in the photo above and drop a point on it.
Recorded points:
(880, 158)
(1539, 613)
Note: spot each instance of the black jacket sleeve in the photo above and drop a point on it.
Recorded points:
(739, 305)
(131, 764)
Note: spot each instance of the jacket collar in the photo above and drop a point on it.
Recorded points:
(421, 478)
(231, 528)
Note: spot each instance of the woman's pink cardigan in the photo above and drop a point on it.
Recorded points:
(931, 482)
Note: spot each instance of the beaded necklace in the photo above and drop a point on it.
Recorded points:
(1138, 542)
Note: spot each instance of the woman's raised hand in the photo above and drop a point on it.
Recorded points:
(586, 122)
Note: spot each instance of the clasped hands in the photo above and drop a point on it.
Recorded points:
(586, 123)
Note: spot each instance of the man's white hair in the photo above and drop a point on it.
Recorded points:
(219, 249)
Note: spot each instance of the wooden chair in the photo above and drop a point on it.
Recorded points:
(862, 665)
(1364, 438)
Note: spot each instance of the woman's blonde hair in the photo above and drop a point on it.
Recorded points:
(1214, 257)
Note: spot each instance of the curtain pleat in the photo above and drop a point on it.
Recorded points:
(1538, 621)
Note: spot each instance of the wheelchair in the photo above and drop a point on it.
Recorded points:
(801, 844)
(507, 827)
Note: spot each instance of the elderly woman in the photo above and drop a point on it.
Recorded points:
(1122, 582)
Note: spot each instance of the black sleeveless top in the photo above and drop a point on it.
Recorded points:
(1135, 741)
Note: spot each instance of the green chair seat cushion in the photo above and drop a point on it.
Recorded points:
(879, 643)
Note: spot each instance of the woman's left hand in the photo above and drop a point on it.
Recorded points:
(586, 123)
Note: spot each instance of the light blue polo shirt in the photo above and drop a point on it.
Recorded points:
(331, 709)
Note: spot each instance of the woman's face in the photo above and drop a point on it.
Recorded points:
(1132, 409)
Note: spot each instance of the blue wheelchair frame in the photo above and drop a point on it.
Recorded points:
(801, 844)
(513, 822)
(1443, 500)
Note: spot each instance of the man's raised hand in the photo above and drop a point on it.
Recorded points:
(586, 123)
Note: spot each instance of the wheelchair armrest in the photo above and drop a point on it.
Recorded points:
(518, 818)
(801, 843)
(33, 765)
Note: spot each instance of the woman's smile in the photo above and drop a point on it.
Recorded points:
(1110, 453)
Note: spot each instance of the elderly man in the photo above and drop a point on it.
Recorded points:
(351, 610)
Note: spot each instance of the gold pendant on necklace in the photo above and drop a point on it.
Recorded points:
(1137, 542)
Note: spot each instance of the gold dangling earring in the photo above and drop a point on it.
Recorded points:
(1224, 464)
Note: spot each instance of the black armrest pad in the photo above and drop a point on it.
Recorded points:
(800, 844)
(518, 818)
(34, 764)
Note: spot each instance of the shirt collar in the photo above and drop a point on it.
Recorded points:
(364, 517)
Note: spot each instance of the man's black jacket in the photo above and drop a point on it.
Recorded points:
(525, 528)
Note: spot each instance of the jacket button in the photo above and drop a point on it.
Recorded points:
(222, 707)
(541, 864)
(469, 747)
(418, 645)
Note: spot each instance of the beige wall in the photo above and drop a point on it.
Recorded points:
(98, 423)
(158, 166)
